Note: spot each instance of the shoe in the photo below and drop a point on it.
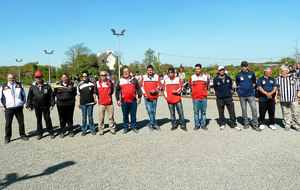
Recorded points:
(93, 132)
(52, 136)
(261, 127)
(83, 133)
(196, 128)
(286, 128)
(39, 137)
(173, 128)
(204, 128)
(151, 129)
(125, 131)
(257, 129)
(237, 128)
(246, 126)
(156, 127)
(296, 128)
(135, 130)
(71, 134)
(24, 138)
(272, 127)
(6, 141)
(222, 127)
(184, 129)
(62, 135)
(113, 131)
(101, 132)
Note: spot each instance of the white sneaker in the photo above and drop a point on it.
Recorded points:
(237, 128)
(222, 127)
(272, 127)
(261, 127)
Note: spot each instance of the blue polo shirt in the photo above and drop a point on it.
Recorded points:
(268, 86)
(245, 82)
(223, 86)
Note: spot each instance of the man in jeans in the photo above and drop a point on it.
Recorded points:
(150, 86)
(128, 87)
(86, 101)
(267, 87)
(223, 86)
(40, 98)
(172, 91)
(246, 81)
(199, 83)
(289, 89)
(104, 89)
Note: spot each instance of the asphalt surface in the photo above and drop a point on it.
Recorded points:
(212, 159)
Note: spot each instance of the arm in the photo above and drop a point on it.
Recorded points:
(159, 86)
(138, 90)
(112, 88)
(118, 90)
(254, 80)
(23, 94)
(142, 89)
(215, 84)
(29, 99)
(78, 97)
(178, 91)
(52, 100)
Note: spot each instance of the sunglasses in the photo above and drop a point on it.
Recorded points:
(37, 77)
(103, 75)
(84, 76)
(170, 72)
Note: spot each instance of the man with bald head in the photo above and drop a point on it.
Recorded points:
(12, 99)
(128, 87)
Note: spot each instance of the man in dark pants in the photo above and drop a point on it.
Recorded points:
(223, 86)
(12, 99)
(65, 92)
(40, 97)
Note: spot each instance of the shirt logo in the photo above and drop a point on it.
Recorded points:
(227, 81)
(263, 82)
(249, 76)
(271, 82)
(242, 78)
(292, 82)
(218, 83)
(45, 91)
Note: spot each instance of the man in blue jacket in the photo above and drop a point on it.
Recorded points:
(246, 81)
(223, 86)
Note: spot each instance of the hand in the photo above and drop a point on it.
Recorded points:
(79, 106)
(276, 100)
(152, 92)
(119, 103)
(138, 101)
(3, 109)
(147, 97)
(174, 92)
(29, 109)
(51, 108)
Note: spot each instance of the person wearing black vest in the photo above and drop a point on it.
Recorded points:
(40, 98)
(65, 92)
(223, 86)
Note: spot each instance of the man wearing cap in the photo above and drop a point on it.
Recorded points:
(199, 83)
(40, 98)
(223, 86)
(246, 82)
(12, 99)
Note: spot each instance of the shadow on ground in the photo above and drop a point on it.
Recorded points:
(13, 177)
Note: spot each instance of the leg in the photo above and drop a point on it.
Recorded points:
(154, 104)
(180, 112)
(20, 117)
(263, 107)
(252, 104)
(48, 121)
(149, 108)
(221, 107)
(62, 119)
(133, 109)
(84, 113)
(9, 115)
(285, 113)
(70, 118)
(38, 114)
(102, 109)
(172, 115)
(271, 112)
(90, 109)
(295, 114)
(244, 110)
(203, 106)
(230, 108)
(110, 113)
(125, 110)
(196, 108)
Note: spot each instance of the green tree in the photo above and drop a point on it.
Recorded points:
(149, 57)
(289, 59)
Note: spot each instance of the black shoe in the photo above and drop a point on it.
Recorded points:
(52, 136)
(125, 131)
(93, 132)
(62, 135)
(173, 128)
(135, 130)
(196, 128)
(7, 141)
(71, 134)
(184, 129)
(39, 137)
(156, 127)
(257, 129)
(246, 126)
(204, 128)
(83, 133)
(24, 138)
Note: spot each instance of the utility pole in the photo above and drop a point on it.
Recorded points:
(49, 53)
(19, 61)
(118, 34)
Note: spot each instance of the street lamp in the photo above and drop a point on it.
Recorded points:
(49, 53)
(19, 61)
(118, 34)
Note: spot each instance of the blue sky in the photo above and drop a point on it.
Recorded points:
(212, 29)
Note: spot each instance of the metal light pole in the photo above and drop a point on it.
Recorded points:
(118, 34)
(49, 53)
(19, 61)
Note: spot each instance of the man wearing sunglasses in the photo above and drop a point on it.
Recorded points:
(104, 89)
(128, 87)
(150, 86)
(40, 98)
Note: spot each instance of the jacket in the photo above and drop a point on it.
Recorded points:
(128, 88)
(104, 91)
(65, 95)
(150, 83)
(10, 100)
(171, 84)
(40, 96)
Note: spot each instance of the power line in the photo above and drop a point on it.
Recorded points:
(229, 59)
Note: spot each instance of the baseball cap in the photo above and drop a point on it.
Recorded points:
(220, 68)
(38, 74)
(244, 63)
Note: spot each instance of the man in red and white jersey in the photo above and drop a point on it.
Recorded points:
(172, 91)
(104, 89)
(150, 86)
(199, 83)
(128, 87)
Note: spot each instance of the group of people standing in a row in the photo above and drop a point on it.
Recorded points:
(128, 92)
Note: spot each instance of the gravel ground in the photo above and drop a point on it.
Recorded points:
(210, 159)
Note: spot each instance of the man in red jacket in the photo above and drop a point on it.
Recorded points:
(150, 86)
(199, 83)
(172, 91)
(104, 89)
(128, 87)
